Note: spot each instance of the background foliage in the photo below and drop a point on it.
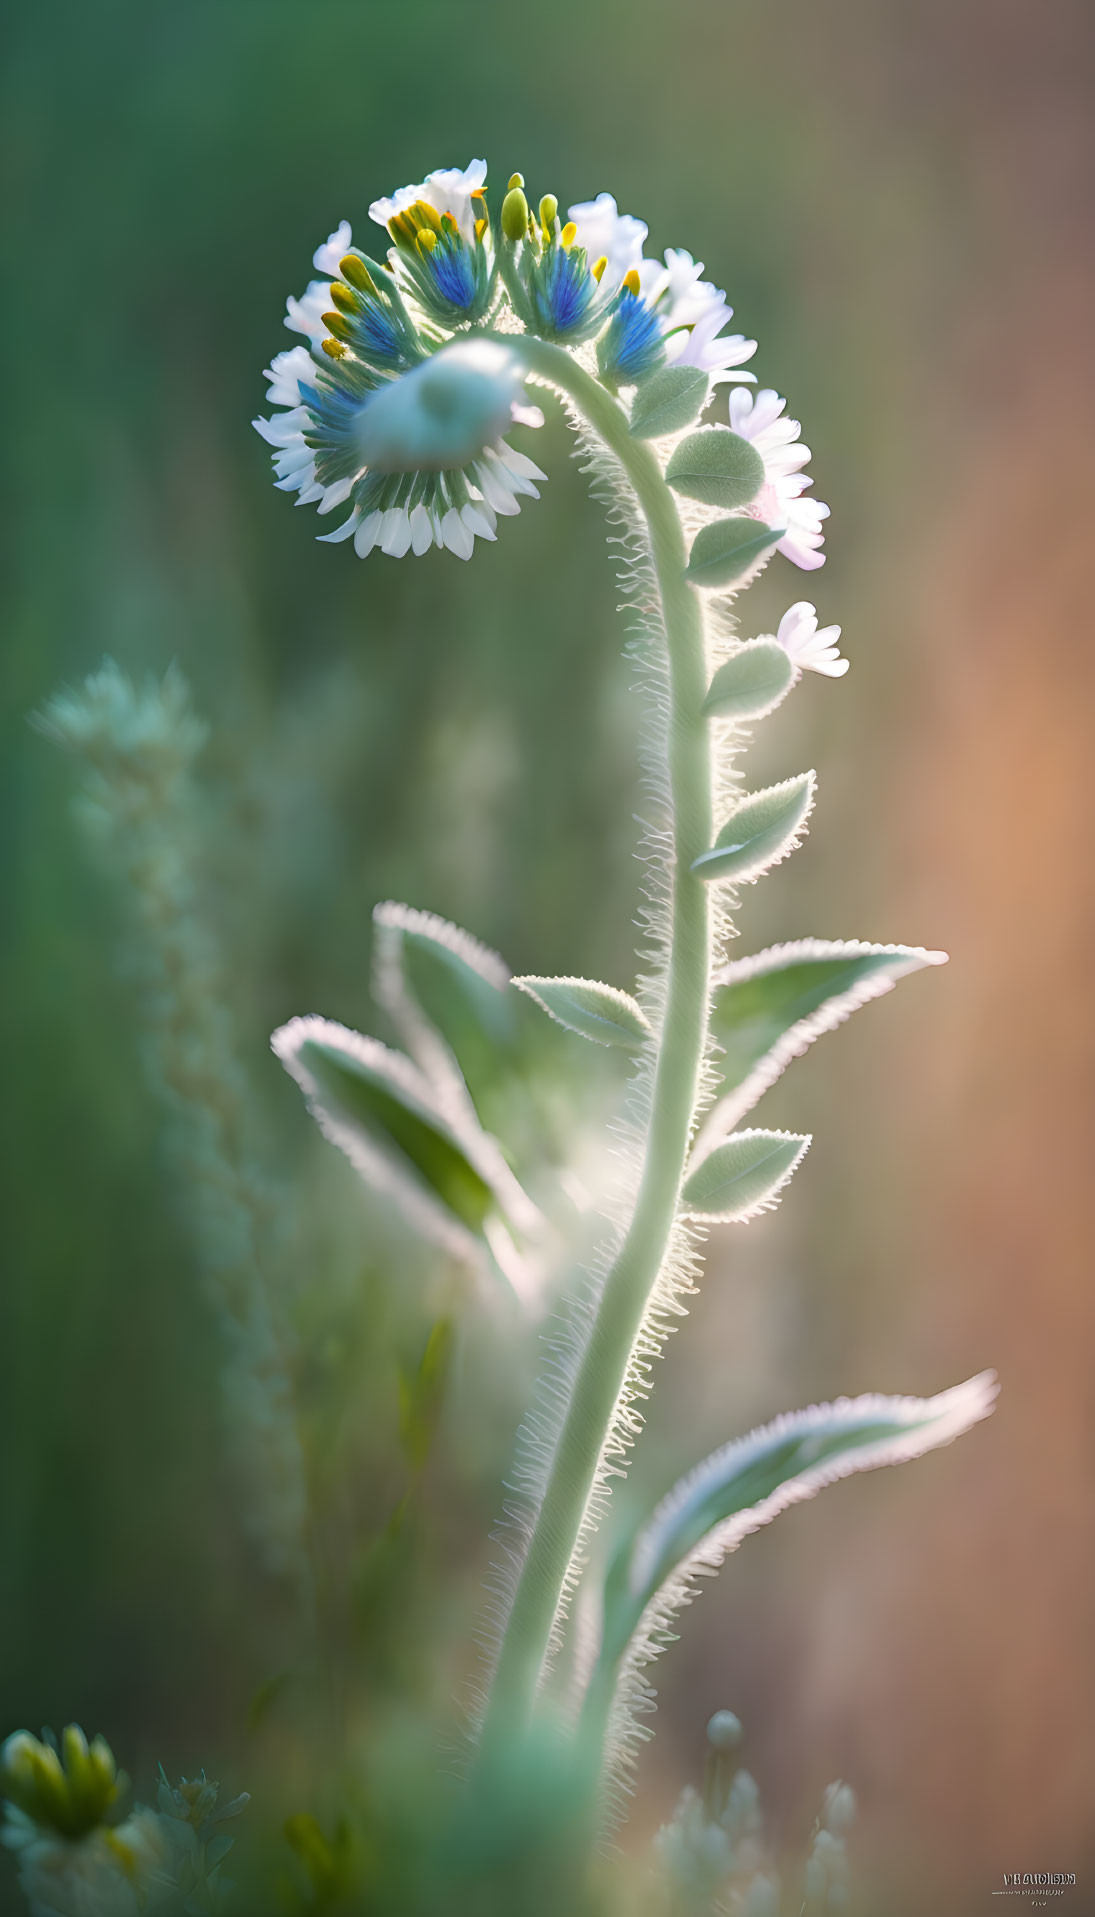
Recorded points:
(894, 198)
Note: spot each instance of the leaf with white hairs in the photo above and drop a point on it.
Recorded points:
(769, 1009)
(741, 1177)
(600, 1012)
(736, 1491)
(378, 1107)
(763, 829)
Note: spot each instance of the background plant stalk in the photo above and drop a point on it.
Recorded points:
(601, 1375)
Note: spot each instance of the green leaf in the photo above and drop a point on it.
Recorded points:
(751, 682)
(376, 1106)
(422, 1393)
(749, 1482)
(437, 982)
(769, 1009)
(599, 1012)
(742, 1176)
(669, 401)
(717, 467)
(761, 831)
(729, 549)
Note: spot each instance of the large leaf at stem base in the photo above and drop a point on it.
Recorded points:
(749, 1482)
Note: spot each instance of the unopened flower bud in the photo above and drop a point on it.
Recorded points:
(514, 215)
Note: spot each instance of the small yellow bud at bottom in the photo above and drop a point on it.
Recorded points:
(333, 348)
(568, 236)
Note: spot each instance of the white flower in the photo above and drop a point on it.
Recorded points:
(759, 418)
(608, 234)
(808, 648)
(306, 314)
(693, 313)
(106, 1873)
(448, 190)
(422, 456)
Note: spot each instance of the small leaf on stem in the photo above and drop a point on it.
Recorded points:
(599, 1012)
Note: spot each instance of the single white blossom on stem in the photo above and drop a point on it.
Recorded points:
(759, 417)
(809, 648)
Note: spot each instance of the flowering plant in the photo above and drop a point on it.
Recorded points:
(424, 359)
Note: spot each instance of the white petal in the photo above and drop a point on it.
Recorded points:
(421, 530)
(335, 495)
(326, 258)
(477, 522)
(457, 537)
(367, 534)
(342, 532)
(395, 537)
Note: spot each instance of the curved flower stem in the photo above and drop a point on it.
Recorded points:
(600, 1378)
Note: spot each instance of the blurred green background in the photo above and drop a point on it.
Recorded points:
(896, 197)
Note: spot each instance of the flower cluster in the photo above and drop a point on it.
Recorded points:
(400, 404)
(74, 1856)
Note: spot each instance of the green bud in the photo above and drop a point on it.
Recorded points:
(72, 1798)
(514, 215)
(549, 207)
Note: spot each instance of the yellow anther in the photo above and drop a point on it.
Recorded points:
(568, 236)
(335, 324)
(426, 241)
(358, 274)
(448, 224)
(549, 207)
(598, 267)
(333, 348)
(343, 298)
(427, 215)
(516, 180)
(631, 281)
(480, 225)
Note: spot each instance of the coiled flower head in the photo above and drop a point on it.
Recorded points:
(400, 405)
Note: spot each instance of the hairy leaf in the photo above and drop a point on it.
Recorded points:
(769, 1009)
(728, 550)
(717, 467)
(596, 1011)
(749, 1482)
(761, 831)
(751, 682)
(437, 982)
(742, 1176)
(376, 1106)
(669, 401)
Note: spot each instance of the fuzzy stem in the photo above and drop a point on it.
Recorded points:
(625, 1297)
